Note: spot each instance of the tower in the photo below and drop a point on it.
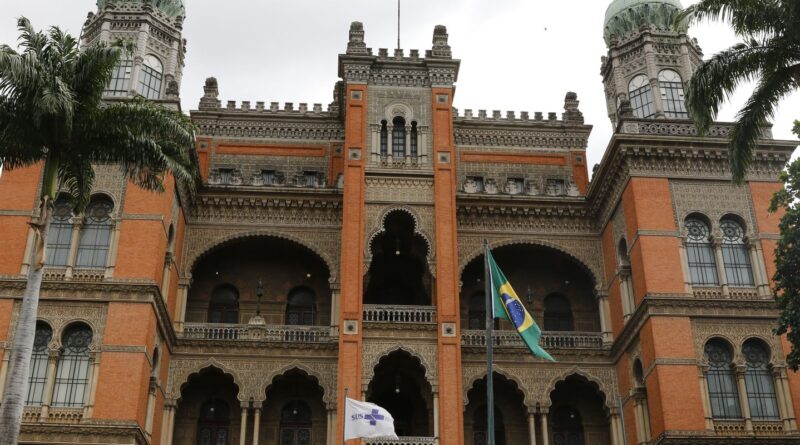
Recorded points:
(649, 60)
(154, 27)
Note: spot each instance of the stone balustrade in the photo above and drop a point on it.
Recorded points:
(550, 340)
(376, 313)
(402, 441)
(286, 334)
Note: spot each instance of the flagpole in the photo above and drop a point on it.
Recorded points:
(344, 415)
(489, 346)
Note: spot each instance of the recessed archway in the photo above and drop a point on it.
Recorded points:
(294, 412)
(400, 386)
(511, 422)
(577, 414)
(208, 408)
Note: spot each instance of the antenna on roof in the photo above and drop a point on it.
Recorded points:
(398, 24)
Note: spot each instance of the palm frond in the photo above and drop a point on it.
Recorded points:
(746, 17)
(76, 176)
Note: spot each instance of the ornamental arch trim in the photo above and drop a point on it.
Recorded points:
(605, 388)
(328, 387)
(398, 109)
(368, 372)
(527, 400)
(417, 231)
(179, 378)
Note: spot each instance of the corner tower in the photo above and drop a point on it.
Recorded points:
(155, 68)
(650, 60)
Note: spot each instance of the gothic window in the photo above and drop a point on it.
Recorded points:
(700, 253)
(120, 82)
(735, 255)
(384, 139)
(295, 423)
(480, 430)
(72, 375)
(557, 313)
(213, 426)
(671, 86)
(414, 141)
(722, 391)
(59, 236)
(641, 97)
(398, 137)
(38, 371)
(95, 234)
(758, 380)
(300, 307)
(224, 305)
(150, 77)
(477, 311)
(567, 426)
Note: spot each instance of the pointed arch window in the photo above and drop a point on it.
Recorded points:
(300, 307)
(735, 254)
(150, 77)
(214, 424)
(95, 236)
(558, 314)
(758, 380)
(120, 83)
(224, 305)
(700, 253)
(59, 235)
(672, 97)
(398, 137)
(38, 371)
(384, 139)
(295, 423)
(72, 374)
(641, 96)
(722, 391)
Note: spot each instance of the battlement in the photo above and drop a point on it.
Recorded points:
(571, 115)
(210, 102)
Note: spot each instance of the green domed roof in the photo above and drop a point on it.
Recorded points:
(625, 16)
(170, 8)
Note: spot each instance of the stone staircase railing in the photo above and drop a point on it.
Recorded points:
(285, 334)
(376, 313)
(550, 340)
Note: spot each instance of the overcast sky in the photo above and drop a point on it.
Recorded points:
(520, 55)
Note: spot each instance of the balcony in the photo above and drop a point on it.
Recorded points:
(550, 340)
(397, 314)
(402, 441)
(257, 332)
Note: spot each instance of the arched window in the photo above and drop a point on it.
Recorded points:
(414, 142)
(59, 235)
(758, 380)
(567, 426)
(95, 234)
(671, 86)
(213, 426)
(735, 255)
(480, 431)
(72, 375)
(150, 77)
(700, 253)
(722, 392)
(224, 305)
(295, 423)
(477, 311)
(641, 96)
(120, 83)
(38, 372)
(557, 313)
(384, 139)
(399, 137)
(300, 307)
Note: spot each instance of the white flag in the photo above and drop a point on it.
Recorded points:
(367, 421)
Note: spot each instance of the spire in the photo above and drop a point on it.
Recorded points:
(356, 45)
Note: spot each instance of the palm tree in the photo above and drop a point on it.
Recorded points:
(769, 54)
(52, 113)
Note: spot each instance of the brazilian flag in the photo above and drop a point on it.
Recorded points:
(507, 306)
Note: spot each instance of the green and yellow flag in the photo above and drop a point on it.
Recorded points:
(507, 306)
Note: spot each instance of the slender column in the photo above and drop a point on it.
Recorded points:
(761, 265)
(624, 276)
(605, 317)
(532, 426)
(151, 406)
(759, 269)
(49, 383)
(335, 297)
(243, 426)
(639, 420)
(748, 420)
(543, 424)
(436, 415)
(788, 400)
(169, 424)
(704, 396)
(4, 372)
(408, 142)
(723, 279)
(256, 422)
(91, 391)
(331, 428)
(646, 420)
(780, 395)
(687, 276)
(138, 61)
(180, 304)
(111, 259)
(166, 275)
(74, 242)
(390, 141)
(614, 425)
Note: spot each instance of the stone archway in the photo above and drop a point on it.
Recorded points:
(578, 413)
(511, 414)
(294, 411)
(209, 406)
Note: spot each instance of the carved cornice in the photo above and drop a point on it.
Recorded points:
(263, 125)
(497, 132)
(524, 213)
(708, 438)
(323, 208)
(89, 431)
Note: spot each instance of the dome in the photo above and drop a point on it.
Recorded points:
(625, 16)
(170, 8)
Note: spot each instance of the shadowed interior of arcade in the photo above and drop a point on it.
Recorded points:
(400, 386)
(578, 415)
(510, 413)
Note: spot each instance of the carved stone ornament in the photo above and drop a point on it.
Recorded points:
(491, 187)
(470, 185)
(532, 188)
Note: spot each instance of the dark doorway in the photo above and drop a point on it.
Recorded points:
(400, 386)
(567, 426)
(296, 423)
(213, 427)
(480, 430)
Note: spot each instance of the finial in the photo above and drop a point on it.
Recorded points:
(210, 98)
(356, 45)
(440, 46)
(571, 111)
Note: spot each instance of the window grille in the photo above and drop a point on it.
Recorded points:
(384, 139)
(72, 375)
(641, 96)
(150, 78)
(735, 254)
(722, 392)
(672, 97)
(414, 142)
(120, 83)
(398, 137)
(59, 236)
(38, 372)
(759, 383)
(95, 234)
(700, 254)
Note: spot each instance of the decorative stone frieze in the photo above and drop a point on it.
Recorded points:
(424, 350)
(713, 199)
(736, 332)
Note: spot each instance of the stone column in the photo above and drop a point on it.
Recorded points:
(151, 406)
(256, 421)
(760, 278)
(436, 415)
(702, 375)
(180, 304)
(723, 278)
(138, 61)
(605, 316)
(759, 263)
(745, 406)
(784, 381)
(780, 397)
(543, 424)
(91, 390)
(74, 242)
(408, 142)
(111, 259)
(4, 373)
(616, 429)
(331, 424)
(335, 297)
(624, 291)
(532, 426)
(687, 275)
(49, 383)
(243, 425)
(390, 142)
(167, 423)
(166, 275)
